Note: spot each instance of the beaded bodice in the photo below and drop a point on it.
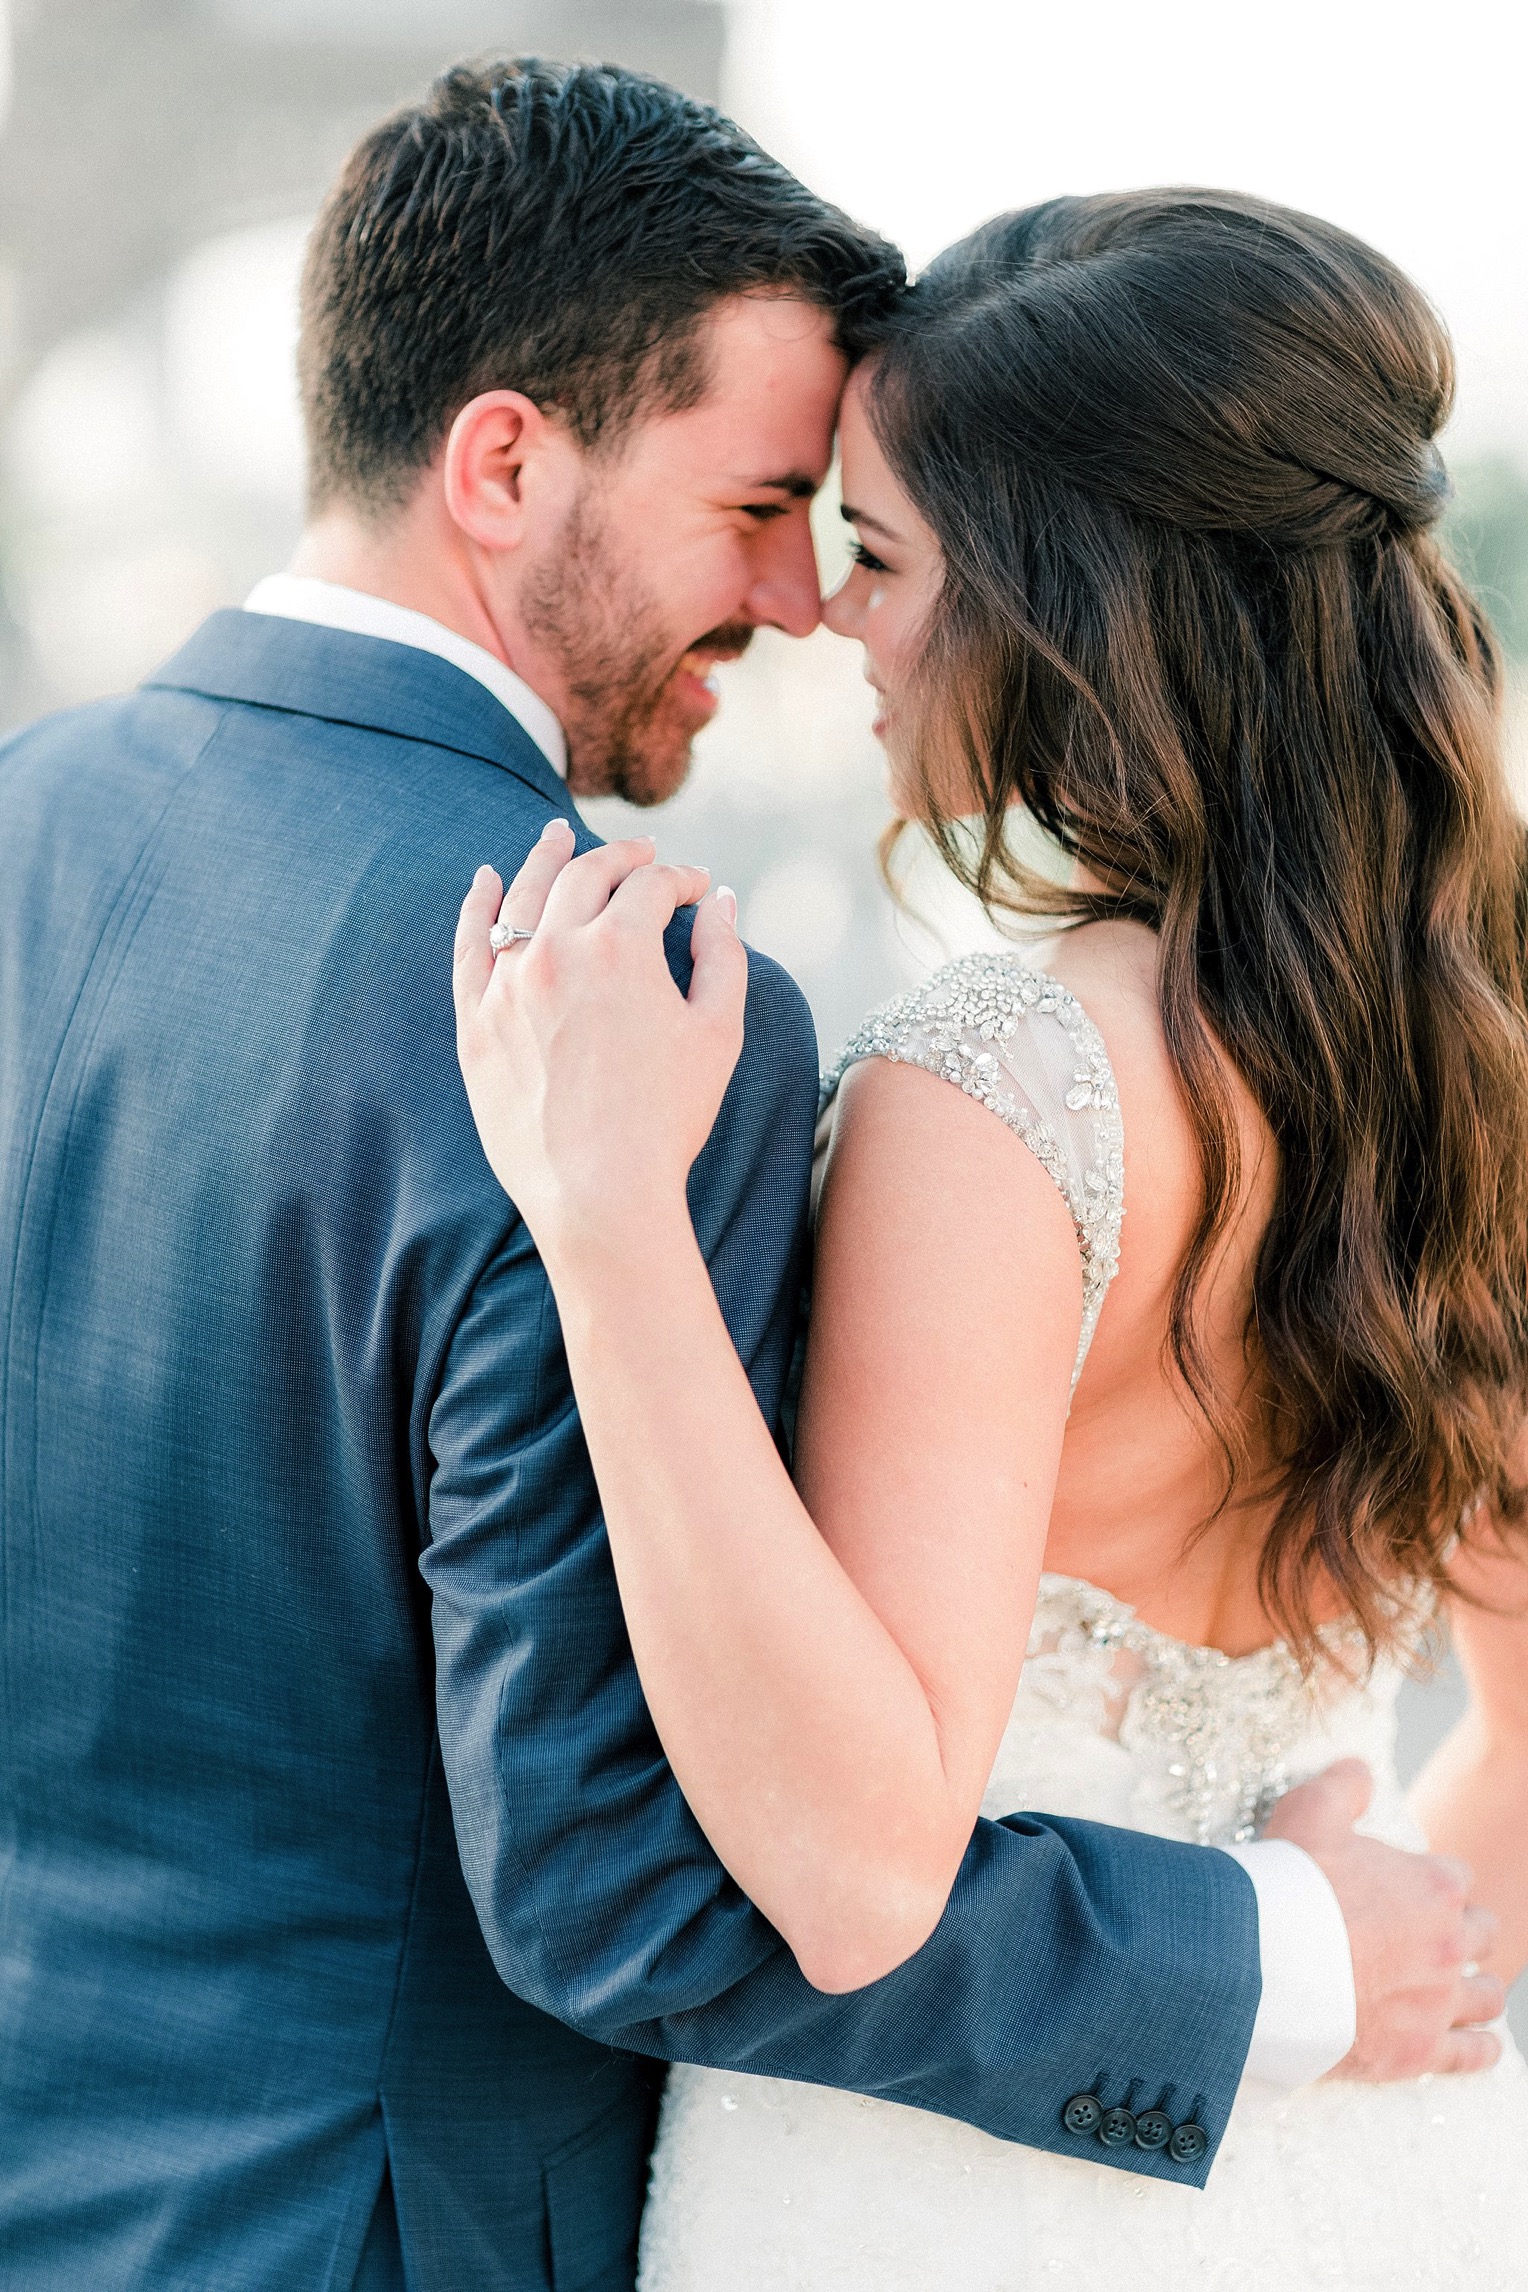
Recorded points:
(1019, 1041)
(1121, 1723)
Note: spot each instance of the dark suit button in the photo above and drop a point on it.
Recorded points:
(1082, 2113)
(1153, 2129)
(1116, 2127)
(1188, 2144)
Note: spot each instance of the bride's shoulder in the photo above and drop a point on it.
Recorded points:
(1112, 969)
(1017, 1044)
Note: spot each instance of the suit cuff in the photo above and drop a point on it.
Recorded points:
(1307, 2017)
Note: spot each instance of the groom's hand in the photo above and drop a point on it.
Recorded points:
(1412, 1931)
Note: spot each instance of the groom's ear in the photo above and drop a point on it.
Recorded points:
(509, 471)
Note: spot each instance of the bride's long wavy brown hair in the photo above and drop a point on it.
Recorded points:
(1177, 448)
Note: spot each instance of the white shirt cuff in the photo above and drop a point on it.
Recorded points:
(1307, 2017)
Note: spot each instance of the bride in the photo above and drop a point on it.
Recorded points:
(1166, 1374)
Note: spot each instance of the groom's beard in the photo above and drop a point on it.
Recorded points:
(629, 719)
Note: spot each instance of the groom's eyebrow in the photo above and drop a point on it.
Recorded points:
(798, 484)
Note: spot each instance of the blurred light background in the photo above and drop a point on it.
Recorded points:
(160, 161)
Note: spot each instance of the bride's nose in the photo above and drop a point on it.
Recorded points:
(843, 609)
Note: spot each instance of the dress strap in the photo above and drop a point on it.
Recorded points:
(1019, 1041)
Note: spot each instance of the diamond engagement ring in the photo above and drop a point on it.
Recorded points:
(505, 935)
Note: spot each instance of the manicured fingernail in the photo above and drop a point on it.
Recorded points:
(726, 900)
(556, 827)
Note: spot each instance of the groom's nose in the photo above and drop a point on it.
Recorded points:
(785, 593)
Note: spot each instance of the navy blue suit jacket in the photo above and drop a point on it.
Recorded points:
(338, 1854)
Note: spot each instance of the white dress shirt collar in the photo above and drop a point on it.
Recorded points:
(298, 597)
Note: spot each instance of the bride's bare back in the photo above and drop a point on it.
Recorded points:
(1141, 1471)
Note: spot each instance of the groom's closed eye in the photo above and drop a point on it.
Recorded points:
(785, 491)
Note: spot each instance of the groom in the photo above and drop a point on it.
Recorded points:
(347, 1906)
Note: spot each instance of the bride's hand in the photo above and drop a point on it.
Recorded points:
(593, 1080)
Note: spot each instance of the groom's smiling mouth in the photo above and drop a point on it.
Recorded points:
(694, 679)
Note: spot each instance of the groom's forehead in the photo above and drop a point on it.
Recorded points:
(773, 377)
(753, 343)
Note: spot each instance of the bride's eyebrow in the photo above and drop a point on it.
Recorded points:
(863, 517)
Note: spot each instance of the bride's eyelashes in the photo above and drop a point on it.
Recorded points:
(866, 558)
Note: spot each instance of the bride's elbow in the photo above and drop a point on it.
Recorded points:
(859, 1944)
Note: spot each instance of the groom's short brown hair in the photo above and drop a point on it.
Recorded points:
(560, 230)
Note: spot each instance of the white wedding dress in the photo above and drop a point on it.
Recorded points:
(760, 2185)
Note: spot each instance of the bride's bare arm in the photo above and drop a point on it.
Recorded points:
(1472, 1796)
(829, 1671)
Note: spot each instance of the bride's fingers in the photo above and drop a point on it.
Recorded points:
(585, 886)
(650, 897)
(1464, 2052)
(525, 900)
(472, 957)
(719, 982)
(1481, 1927)
(1480, 1997)
(488, 903)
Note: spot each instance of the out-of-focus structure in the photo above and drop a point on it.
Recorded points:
(158, 166)
(140, 127)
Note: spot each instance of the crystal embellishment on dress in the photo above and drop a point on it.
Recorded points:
(964, 1025)
(1209, 1734)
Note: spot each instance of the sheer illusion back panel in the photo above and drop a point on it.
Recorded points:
(1019, 1041)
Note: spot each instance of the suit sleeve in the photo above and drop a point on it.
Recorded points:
(1072, 1958)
